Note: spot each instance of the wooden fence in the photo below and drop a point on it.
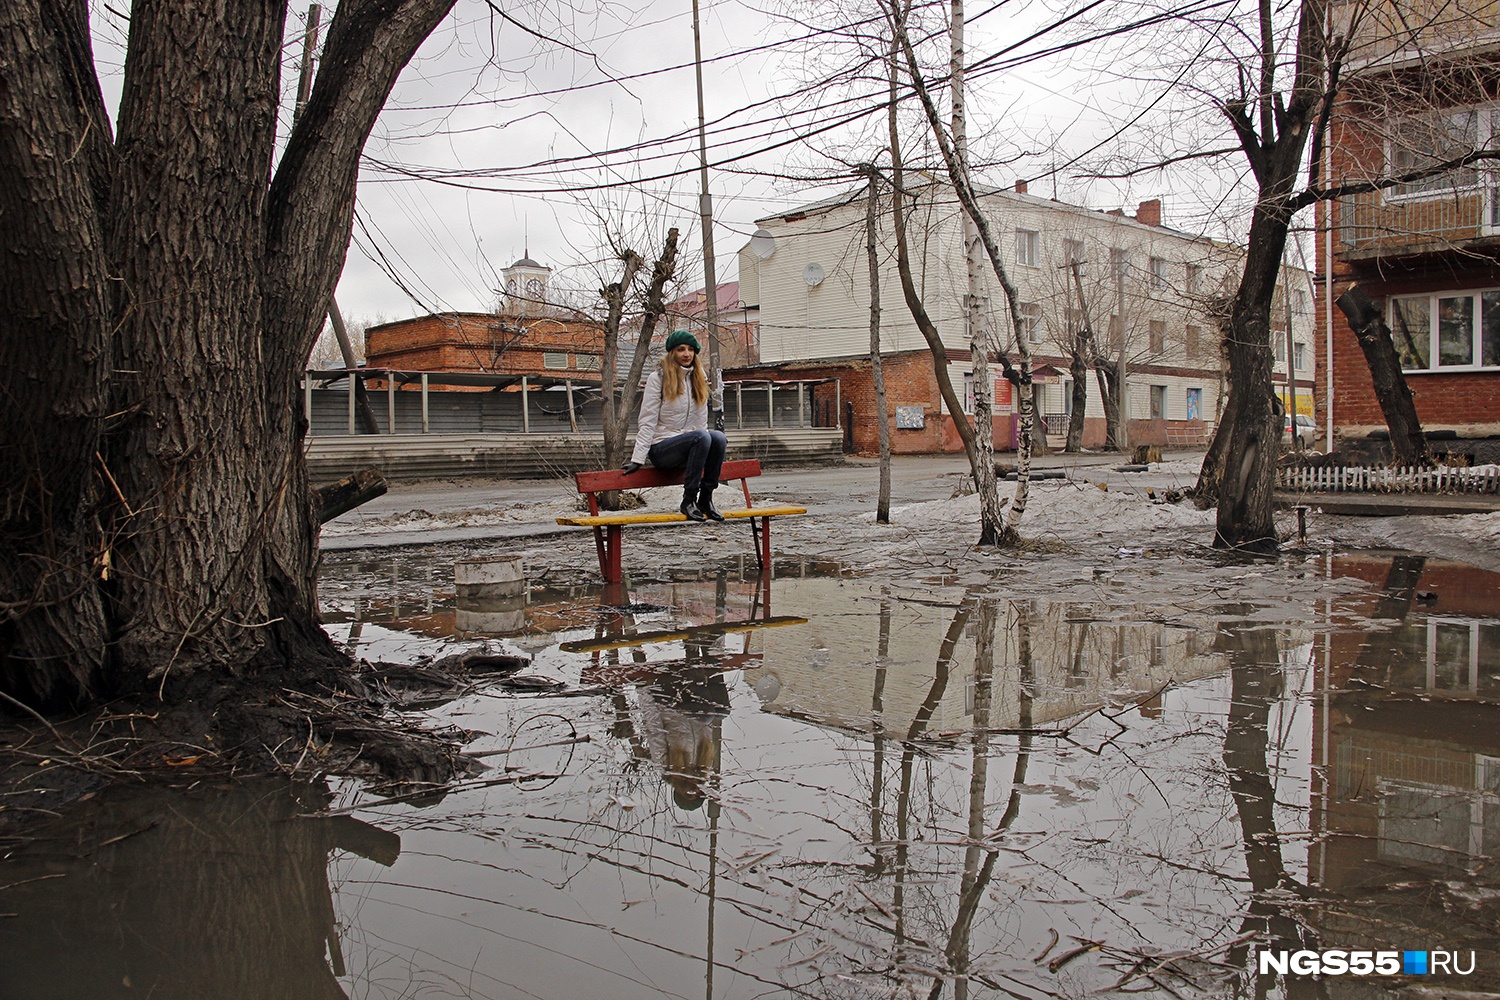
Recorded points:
(1406, 479)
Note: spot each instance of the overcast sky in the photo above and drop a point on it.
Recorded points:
(521, 127)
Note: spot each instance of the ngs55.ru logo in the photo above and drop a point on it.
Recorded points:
(1339, 962)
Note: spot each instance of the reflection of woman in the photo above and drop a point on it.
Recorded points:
(682, 713)
(672, 430)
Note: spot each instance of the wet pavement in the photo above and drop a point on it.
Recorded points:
(1117, 776)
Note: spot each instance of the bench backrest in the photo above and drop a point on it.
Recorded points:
(614, 479)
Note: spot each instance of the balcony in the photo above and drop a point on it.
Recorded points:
(1380, 224)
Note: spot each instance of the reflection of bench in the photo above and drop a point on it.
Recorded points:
(690, 633)
(607, 533)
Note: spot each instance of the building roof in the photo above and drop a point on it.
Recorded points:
(693, 303)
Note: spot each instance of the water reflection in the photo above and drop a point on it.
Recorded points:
(156, 893)
(1409, 738)
(887, 789)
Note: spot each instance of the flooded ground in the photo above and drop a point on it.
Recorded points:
(1118, 775)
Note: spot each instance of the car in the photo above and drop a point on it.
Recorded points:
(1306, 433)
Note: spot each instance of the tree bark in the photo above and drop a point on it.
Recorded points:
(619, 407)
(1079, 370)
(55, 156)
(1408, 443)
(181, 293)
(1251, 425)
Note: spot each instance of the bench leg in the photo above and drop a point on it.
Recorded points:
(760, 528)
(607, 545)
(613, 572)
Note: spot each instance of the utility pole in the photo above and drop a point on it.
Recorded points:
(706, 223)
(340, 331)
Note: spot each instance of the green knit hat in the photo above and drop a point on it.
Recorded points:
(680, 337)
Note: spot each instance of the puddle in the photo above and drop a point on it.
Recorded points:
(824, 785)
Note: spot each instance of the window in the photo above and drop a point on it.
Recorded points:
(1158, 267)
(1447, 330)
(1299, 303)
(1116, 332)
(1420, 141)
(587, 362)
(1158, 336)
(1030, 316)
(1028, 248)
(1278, 344)
(1073, 251)
(1299, 357)
(1119, 264)
(554, 359)
(969, 393)
(1158, 402)
(1194, 404)
(1190, 341)
(1194, 279)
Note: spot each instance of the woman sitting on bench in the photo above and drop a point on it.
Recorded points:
(672, 431)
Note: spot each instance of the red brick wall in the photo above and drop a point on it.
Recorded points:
(909, 381)
(481, 342)
(1442, 400)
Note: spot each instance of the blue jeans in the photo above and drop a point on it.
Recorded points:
(700, 454)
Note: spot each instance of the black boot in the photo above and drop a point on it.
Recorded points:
(706, 505)
(689, 509)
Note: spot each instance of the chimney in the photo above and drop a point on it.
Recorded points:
(1149, 214)
(1020, 187)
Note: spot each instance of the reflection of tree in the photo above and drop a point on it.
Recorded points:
(979, 859)
(977, 873)
(222, 895)
(1256, 683)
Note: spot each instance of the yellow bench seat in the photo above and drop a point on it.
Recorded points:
(623, 518)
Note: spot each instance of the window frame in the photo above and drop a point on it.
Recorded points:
(1030, 316)
(1486, 131)
(1434, 343)
(1157, 267)
(1028, 247)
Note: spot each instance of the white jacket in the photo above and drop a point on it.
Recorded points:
(663, 418)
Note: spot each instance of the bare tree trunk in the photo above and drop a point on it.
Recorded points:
(616, 414)
(1079, 370)
(877, 366)
(1251, 426)
(209, 287)
(1408, 443)
(976, 313)
(619, 405)
(55, 155)
(958, 175)
(909, 291)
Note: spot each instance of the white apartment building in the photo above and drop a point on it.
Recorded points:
(1147, 290)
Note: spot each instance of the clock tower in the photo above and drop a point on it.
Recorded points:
(525, 289)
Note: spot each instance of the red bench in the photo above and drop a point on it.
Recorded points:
(608, 527)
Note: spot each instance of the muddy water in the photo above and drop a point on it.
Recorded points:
(829, 786)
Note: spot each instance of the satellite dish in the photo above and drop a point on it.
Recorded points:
(762, 244)
(813, 275)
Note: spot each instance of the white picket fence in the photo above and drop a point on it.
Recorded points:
(1399, 479)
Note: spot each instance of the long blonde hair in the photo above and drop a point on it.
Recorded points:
(672, 379)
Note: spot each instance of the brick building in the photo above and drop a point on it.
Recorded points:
(1418, 91)
(490, 343)
(526, 336)
(1148, 293)
(739, 324)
